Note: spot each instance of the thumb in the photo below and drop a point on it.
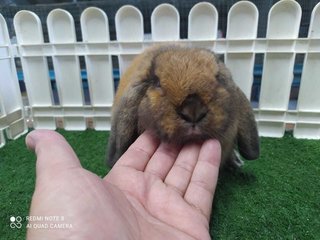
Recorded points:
(53, 152)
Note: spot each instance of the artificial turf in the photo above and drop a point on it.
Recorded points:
(275, 197)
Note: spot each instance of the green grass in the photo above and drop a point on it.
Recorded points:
(276, 197)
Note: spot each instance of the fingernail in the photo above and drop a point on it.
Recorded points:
(30, 142)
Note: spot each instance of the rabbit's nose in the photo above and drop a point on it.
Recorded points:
(192, 109)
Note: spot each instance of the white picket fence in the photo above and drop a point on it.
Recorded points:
(240, 46)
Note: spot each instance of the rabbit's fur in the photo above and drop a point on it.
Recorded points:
(182, 94)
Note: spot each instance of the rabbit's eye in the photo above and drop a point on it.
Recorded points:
(156, 81)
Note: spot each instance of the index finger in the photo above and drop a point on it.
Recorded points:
(140, 152)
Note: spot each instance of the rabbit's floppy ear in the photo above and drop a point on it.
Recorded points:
(124, 127)
(132, 89)
(247, 136)
(247, 133)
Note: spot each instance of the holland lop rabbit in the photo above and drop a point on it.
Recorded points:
(182, 94)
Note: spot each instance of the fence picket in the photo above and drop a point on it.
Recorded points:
(241, 32)
(165, 23)
(203, 22)
(36, 73)
(11, 109)
(283, 23)
(61, 32)
(4, 38)
(129, 28)
(308, 122)
(95, 29)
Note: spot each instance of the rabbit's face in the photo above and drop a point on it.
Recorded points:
(182, 94)
(187, 97)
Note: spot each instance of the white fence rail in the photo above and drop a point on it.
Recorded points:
(240, 47)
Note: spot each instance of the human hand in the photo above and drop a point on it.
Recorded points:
(154, 191)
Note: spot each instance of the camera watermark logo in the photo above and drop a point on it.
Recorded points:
(40, 222)
(15, 222)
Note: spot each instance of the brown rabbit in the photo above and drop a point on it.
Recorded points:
(182, 94)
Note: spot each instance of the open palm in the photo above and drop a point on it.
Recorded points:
(155, 191)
